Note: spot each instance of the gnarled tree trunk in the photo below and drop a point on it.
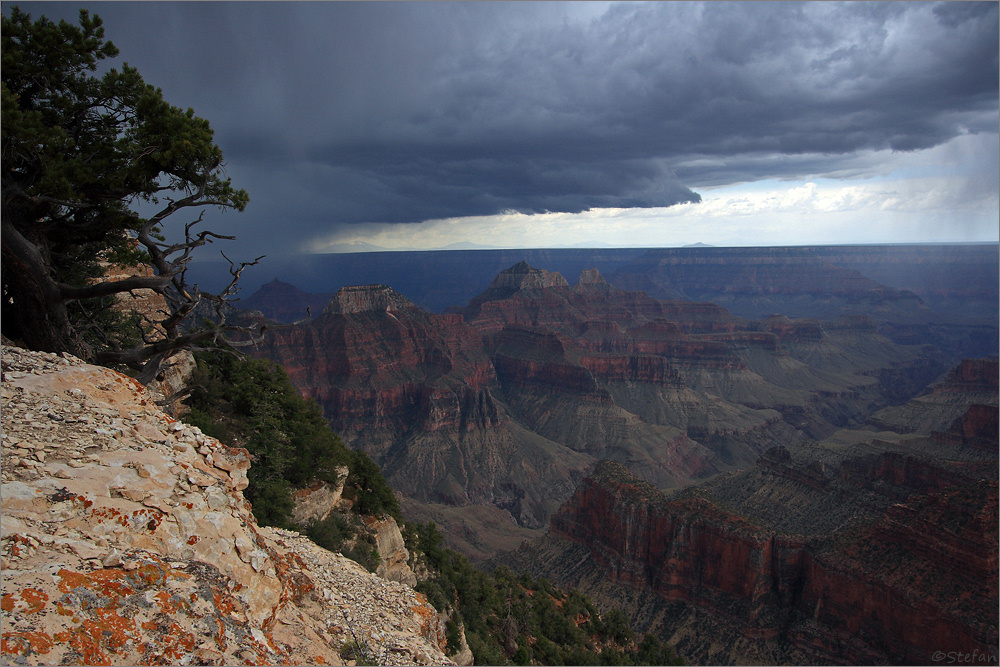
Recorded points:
(34, 308)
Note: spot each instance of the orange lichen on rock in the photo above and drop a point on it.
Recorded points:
(34, 599)
(25, 643)
(430, 623)
(109, 607)
(118, 542)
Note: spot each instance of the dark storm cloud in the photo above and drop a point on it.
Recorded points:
(335, 113)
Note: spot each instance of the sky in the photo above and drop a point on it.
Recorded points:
(419, 125)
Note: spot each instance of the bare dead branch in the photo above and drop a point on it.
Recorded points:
(176, 396)
(155, 283)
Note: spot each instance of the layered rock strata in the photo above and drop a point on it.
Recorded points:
(940, 295)
(511, 400)
(127, 540)
(920, 582)
(755, 282)
(967, 394)
(977, 428)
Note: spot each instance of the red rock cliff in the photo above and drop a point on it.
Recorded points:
(972, 375)
(519, 393)
(376, 362)
(918, 582)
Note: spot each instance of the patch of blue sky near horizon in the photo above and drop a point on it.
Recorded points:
(945, 194)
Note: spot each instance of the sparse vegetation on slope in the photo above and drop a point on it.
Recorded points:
(250, 403)
(508, 618)
(516, 619)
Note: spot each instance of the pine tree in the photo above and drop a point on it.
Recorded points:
(82, 154)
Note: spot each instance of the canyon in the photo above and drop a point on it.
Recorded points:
(488, 415)
(759, 455)
(762, 455)
(867, 548)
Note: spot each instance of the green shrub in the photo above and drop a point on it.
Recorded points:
(515, 619)
(251, 403)
(374, 495)
(360, 652)
(331, 532)
(523, 655)
(365, 554)
(454, 636)
(654, 652)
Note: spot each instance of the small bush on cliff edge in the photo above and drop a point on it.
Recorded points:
(251, 403)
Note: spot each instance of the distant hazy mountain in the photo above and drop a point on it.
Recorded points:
(467, 245)
(281, 301)
(355, 246)
(959, 281)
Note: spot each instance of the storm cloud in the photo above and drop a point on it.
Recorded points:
(344, 113)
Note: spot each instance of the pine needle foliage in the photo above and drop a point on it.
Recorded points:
(251, 403)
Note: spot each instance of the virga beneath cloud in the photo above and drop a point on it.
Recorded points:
(339, 114)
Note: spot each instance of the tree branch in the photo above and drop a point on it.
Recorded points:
(40, 199)
(81, 160)
(155, 283)
(147, 358)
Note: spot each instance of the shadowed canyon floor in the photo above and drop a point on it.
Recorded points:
(878, 549)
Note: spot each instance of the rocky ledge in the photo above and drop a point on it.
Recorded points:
(127, 540)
